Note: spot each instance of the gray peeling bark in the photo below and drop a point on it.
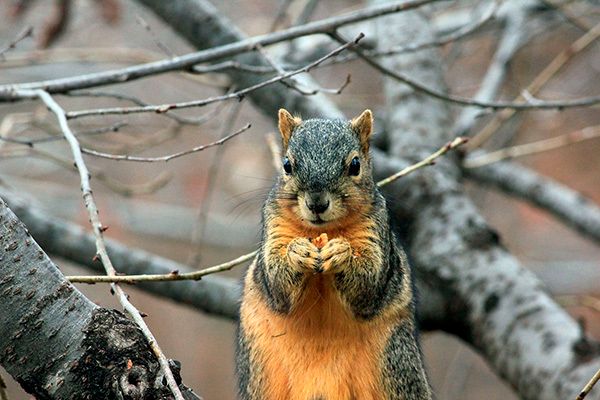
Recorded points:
(55, 342)
(490, 300)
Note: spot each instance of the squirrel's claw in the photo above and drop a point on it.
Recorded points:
(336, 255)
(304, 256)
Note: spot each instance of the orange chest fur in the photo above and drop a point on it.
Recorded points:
(319, 350)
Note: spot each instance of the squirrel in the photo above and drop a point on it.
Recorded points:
(327, 310)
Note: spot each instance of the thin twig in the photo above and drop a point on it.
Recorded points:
(173, 276)
(7, 92)
(280, 14)
(568, 14)
(294, 84)
(579, 300)
(127, 157)
(515, 29)
(459, 33)
(154, 184)
(465, 101)
(90, 132)
(588, 387)
(196, 275)
(205, 200)
(538, 82)
(98, 230)
(162, 108)
(580, 135)
(157, 41)
(25, 33)
(182, 120)
(430, 160)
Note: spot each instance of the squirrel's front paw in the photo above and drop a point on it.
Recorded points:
(303, 256)
(336, 255)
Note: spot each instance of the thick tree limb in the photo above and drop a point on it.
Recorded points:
(566, 204)
(213, 294)
(55, 342)
(454, 248)
(97, 228)
(497, 306)
(488, 299)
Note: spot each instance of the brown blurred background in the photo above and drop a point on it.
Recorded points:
(163, 221)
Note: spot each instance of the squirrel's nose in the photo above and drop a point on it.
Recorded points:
(318, 202)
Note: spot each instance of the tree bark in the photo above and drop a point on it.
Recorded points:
(490, 300)
(213, 294)
(571, 207)
(494, 304)
(55, 342)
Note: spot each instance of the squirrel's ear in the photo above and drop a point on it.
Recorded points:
(287, 123)
(363, 126)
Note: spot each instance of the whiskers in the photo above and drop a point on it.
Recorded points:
(245, 201)
(282, 195)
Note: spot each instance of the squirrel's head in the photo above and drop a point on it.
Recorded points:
(326, 168)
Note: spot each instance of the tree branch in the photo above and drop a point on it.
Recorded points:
(98, 229)
(569, 206)
(161, 108)
(55, 342)
(186, 61)
(492, 302)
(213, 294)
(515, 29)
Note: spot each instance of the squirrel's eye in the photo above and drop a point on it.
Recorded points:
(287, 166)
(354, 168)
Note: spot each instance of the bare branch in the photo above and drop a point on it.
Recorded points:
(98, 230)
(589, 386)
(564, 203)
(182, 120)
(162, 108)
(514, 30)
(464, 101)
(169, 157)
(479, 160)
(25, 33)
(7, 92)
(430, 160)
(173, 276)
(537, 84)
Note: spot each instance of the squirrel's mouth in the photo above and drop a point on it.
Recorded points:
(318, 221)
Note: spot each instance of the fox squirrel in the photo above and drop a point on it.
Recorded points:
(327, 310)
